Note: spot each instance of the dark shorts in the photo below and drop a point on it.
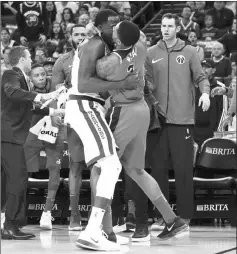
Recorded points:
(33, 146)
(129, 125)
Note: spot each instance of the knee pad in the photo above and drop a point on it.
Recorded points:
(110, 170)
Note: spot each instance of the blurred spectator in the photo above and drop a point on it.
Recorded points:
(51, 15)
(48, 66)
(209, 33)
(84, 19)
(192, 37)
(83, 10)
(92, 12)
(64, 27)
(123, 8)
(60, 6)
(222, 64)
(101, 5)
(187, 24)
(192, 6)
(8, 12)
(6, 40)
(229, 41)
(40, 55)
(200, 6)
(199, 14)
(9, 8)
(231, 6)
(206, 122)
(56, 34)
(223, 17)
(67, 16)
(32, 22)
(5, 65)
(65, 45)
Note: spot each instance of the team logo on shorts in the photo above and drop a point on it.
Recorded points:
(180, 59)
(130, 68)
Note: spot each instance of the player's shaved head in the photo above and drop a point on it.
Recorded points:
(128, 33)
(103, 16)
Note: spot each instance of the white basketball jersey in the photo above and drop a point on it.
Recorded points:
(74, 79)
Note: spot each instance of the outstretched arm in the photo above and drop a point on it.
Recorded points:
(88, 81)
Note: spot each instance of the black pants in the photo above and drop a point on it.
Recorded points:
(3, 189)
(173, 147)
(13, 163)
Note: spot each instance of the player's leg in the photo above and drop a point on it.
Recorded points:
(99, 146)
(54, 154)
(76, 165)
(134, 157)
(107, 219)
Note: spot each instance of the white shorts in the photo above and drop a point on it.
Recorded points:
(88, 120)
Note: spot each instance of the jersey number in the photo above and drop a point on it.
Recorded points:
(130, 68)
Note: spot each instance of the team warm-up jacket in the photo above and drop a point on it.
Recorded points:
(62, 70)
(173, 75)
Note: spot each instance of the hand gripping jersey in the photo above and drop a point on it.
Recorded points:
(118, 65)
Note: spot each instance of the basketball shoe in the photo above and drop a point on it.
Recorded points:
(141, 233)
(176, 228)
(46, 220)
(96, 240)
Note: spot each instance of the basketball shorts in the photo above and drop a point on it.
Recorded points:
(87, 119)
(54, 152)
(129, 124)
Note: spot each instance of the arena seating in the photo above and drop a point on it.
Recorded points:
(37, 192)
(215, 180)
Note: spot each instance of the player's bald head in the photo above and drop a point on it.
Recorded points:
(128, 33)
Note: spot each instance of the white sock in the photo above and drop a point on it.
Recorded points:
(96, 218)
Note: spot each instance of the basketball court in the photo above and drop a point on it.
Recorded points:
(202, 240)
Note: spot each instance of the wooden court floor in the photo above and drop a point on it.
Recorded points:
(202, 240)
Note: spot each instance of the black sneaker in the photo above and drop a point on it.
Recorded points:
(141, 233)
(178, 227)
(130, 222)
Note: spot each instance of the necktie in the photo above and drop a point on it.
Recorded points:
(29, 83)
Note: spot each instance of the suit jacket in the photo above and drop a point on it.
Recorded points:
(17, 107)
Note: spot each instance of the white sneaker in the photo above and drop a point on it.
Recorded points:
(159, 225)
(2, 220)
(122, 240)
(119, 228)
(46, 220)
(96, 240)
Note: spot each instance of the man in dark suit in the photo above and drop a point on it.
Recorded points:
(17, 108)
